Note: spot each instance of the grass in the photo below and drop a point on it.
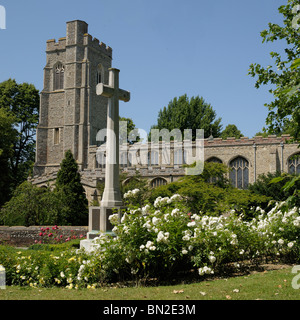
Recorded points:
(266, 285)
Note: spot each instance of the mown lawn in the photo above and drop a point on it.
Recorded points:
(266, 285)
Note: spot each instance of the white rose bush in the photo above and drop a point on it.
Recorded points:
(162, 240)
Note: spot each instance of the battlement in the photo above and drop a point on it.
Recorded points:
(88, 40)
(82, 38)
(52, 45)
(231, 141)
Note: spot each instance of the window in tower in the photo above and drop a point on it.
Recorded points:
(100, 77)
(56, 136)
(59, 74)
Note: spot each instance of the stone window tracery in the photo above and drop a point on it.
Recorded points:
(59, 75)
(214, 160)
(294, 164)
(239, 173)
(157, 182)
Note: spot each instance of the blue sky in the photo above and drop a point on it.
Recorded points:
(164, 49)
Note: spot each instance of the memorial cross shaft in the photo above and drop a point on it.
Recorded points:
(112, 195)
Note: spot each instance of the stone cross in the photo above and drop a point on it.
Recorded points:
(112, 195)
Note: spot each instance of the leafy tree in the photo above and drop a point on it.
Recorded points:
(284, 75)
(184, 113)
(8, 137)
(132, 133)
(231, 131)
(71, 192)
(265, 185)
(31, 206)
(263, 134)
(22, 100)
(211, 193)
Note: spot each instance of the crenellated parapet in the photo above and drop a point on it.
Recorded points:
(96, 44)
(258, 140)
(52, 45)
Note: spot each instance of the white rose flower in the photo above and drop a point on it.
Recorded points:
(212, 259)
(281, 241)
(290, 244)
(155, 220)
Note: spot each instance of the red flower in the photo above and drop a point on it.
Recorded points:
(50, 234)
(41, 234)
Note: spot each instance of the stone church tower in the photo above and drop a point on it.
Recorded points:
(71, 113)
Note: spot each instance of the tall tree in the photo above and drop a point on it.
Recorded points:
(194, 113)
(130, 132)
(8, 137)
(70, 190)
(231, 130)
(284, 75)
(22, 100)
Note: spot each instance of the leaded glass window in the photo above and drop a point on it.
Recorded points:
(214, 160)
(157, 182)
(59, 74)
(294, 164)
(239, 173)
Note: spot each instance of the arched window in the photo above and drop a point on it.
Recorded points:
(239, 173)
(153, 158)
(180, 157)
(158, 182)
(100, 76)
(59, 75)
(214, 160)
(294, 164)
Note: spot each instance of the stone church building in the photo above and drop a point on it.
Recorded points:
(71, 115)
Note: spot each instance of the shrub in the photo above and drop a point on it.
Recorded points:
(54, 235)
(266, 185)
(162, 240)
(165, 240)
(211, 198)
(69, 190)
(65, 205)
(135, 182)
(31, 205)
